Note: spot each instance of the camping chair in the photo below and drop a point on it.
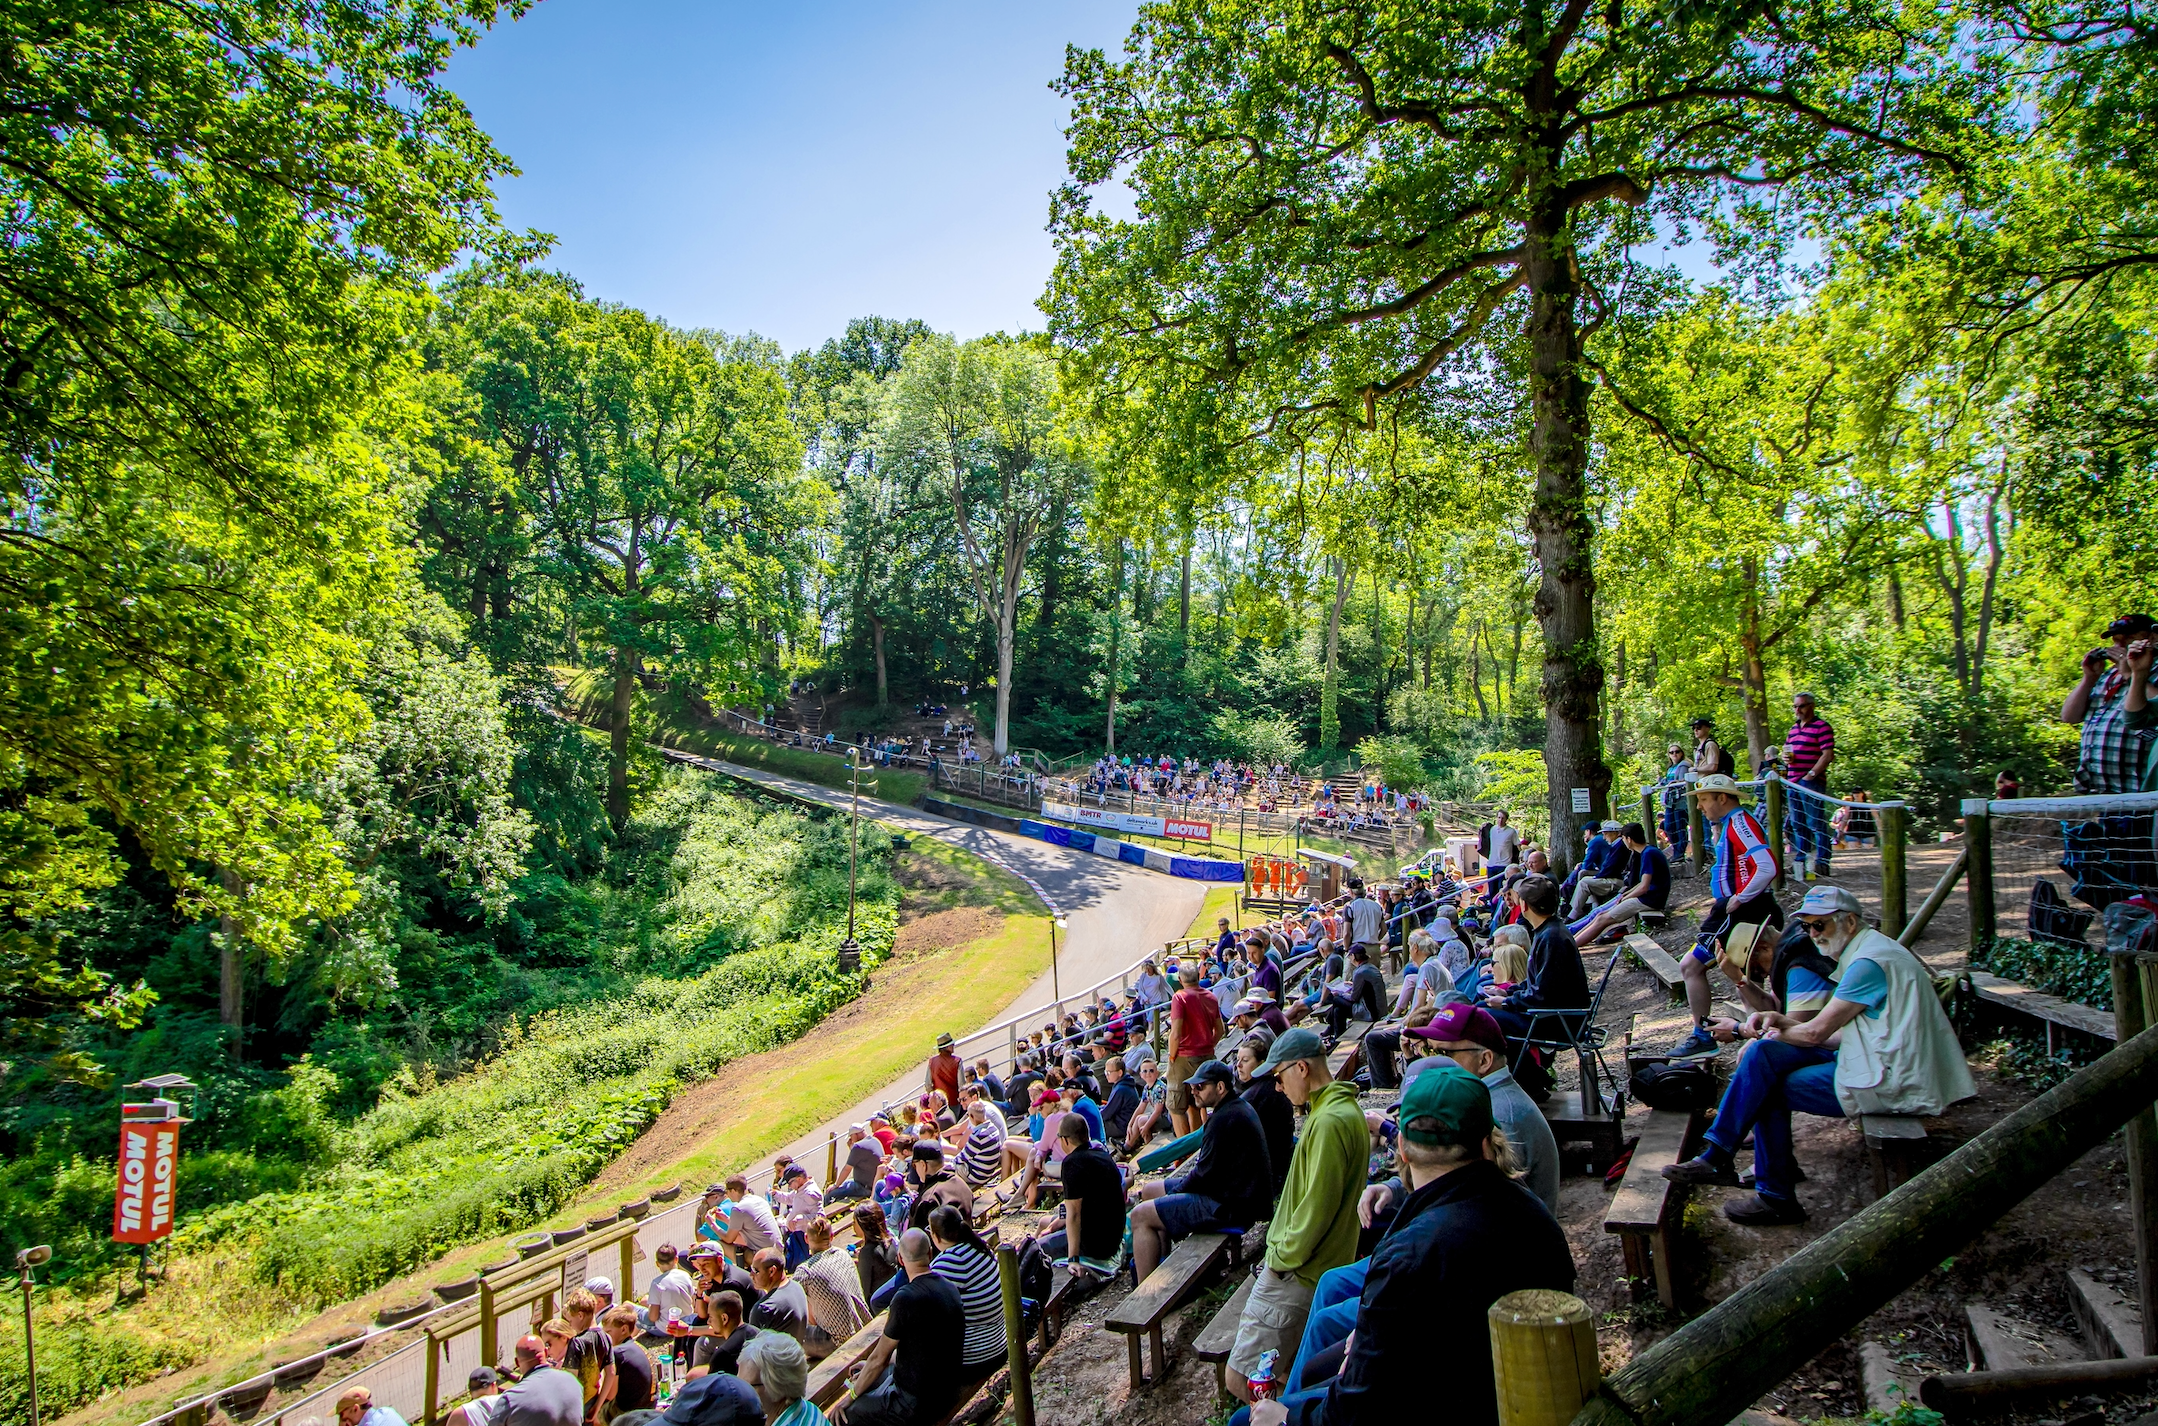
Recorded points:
(1578, 1031)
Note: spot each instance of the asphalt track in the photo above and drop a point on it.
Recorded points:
(1116, 912)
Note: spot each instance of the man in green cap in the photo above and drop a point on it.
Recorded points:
(1466, 1236)
(1314, 1225)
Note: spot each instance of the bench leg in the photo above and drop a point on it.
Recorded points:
(1138, 1369)
(1638, 1268)
(1161, 1352)
(1666, 1287)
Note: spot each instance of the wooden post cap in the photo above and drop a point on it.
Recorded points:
(1543, 1356)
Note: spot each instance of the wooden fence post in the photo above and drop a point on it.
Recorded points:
(831, 1158)
(1543, 1355)
(2134, 999)
(1015, 1337)
(490, 1345)
(1649, 820)
(1696, 831)
(432, 1396)
(1772, 794)
(1891, 824)
(1978, 840)
(625, 1286)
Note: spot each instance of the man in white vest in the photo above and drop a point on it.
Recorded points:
(1882, 1045)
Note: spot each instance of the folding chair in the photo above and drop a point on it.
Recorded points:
(1578, 1031)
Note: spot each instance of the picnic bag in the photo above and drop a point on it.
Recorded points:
(1674, 1086)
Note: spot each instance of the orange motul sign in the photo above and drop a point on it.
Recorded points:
(149, 1158)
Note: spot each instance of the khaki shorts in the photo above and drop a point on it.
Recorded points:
(1273, 1319)
(1180, 1071)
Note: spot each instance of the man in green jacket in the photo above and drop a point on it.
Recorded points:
(1314, 1226)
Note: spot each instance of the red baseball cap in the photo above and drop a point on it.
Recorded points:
(1459, 1022)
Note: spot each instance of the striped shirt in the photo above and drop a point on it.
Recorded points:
(981, 1293)
(982, 1154)
(1805, 746)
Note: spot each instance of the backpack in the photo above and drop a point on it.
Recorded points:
(2052, 920)
(1685, 1086)
(1035, 1275)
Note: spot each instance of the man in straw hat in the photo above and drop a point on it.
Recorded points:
(943, 1070)
(1742, 886)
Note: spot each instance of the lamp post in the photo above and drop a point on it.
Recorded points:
(850, 951)
(26, 1259)
(1056, 987)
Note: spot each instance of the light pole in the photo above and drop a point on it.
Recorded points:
(1056, 987)
(26, 1259)
(850, 952)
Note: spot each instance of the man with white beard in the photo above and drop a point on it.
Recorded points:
(1882, 1045)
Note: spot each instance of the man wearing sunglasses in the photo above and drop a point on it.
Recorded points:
(1882, 1045)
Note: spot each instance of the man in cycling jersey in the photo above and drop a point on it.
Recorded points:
(1742, 884)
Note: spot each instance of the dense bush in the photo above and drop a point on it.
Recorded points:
(2083, 974)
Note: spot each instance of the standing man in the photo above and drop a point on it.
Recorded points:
(1367, 922)
(1503, 849)
(1673, 790)
(1807, 752)
(1314, 1226)
(1742, 887)
(1195, 1028)
(943, 1072)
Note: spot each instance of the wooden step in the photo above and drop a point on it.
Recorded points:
(2112, 1325)
(1888, 1383)
(1996, 1342)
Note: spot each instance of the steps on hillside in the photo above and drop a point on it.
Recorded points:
(1998, 1341)
(2112, 1326)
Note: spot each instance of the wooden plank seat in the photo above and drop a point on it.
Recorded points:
(1068, 1293)
(1657, 961)
(828, 1378)
(1172, 1282)
(1347, 1048)
(1214, 1344)
(1647, 1205)
(1894, 1145)
(2053, 1010)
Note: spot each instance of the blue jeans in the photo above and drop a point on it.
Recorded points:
(1674, 824)
(1772, 1080)
(797, 1250)
(1807, 818)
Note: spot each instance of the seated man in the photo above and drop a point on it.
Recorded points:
(1742, 885)
(1882, 1045)
(1465, 1237)
(1557, 981)
(1091, 1231)
(1153, 1110)
(1227, 1186)
(909, 1377)
(1257, 1008)
(1651, 890)
(1365, 999)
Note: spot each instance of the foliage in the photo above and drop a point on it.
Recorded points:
(2082, 974)
(1517, 781)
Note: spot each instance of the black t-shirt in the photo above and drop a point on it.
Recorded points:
(722, 1353)
(586, 1359)
(735, 1280)
(862, 1162)
(785, 1309)
(929, 1323)
(632, 1377)
(1091, 1176)
(1021, 1089)
(1232, 1166)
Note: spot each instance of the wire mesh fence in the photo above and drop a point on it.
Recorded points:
(2056, 866)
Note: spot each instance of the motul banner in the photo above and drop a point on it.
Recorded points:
(1136, 824)
(149, 1159)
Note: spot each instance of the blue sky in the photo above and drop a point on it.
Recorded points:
(780, 168)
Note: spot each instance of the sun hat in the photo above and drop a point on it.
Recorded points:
(1719, 782)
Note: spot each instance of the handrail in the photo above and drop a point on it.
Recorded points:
(1658, 790)
(1719, 1364)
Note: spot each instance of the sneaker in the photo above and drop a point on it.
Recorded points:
(1700, 1045)
(1702, 1170)
(1755, 1211)
(1745, 1180)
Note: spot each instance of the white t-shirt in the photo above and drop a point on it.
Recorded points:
(1505, 846)
(758, 1224)
(671, 1291)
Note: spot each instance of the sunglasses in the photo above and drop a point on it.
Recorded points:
(1814, 925)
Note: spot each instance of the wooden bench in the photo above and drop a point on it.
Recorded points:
(828, 1378)
(1173, 1280)
(1064, 1296)
(1894, 1143)
(1346, 1048)
(1658, 963)
(1647, 1205)
(2054, 1011)
(1215, 1343)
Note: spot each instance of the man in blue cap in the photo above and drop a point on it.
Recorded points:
(1466, 1237)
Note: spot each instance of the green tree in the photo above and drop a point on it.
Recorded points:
(1353, 213)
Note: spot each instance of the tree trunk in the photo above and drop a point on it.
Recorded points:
(1183, 601)
(1116, 635)
(1559, 524)
(876, 644)
(1753, 672)
(231, 969)
(618, 710)
(1476, 673)
(1330, 685)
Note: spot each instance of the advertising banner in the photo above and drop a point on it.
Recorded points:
(1132, 823)
(142, 1203)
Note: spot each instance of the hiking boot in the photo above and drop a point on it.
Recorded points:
(1700, 1045)
(1702, 1170)
(1757, 1211)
